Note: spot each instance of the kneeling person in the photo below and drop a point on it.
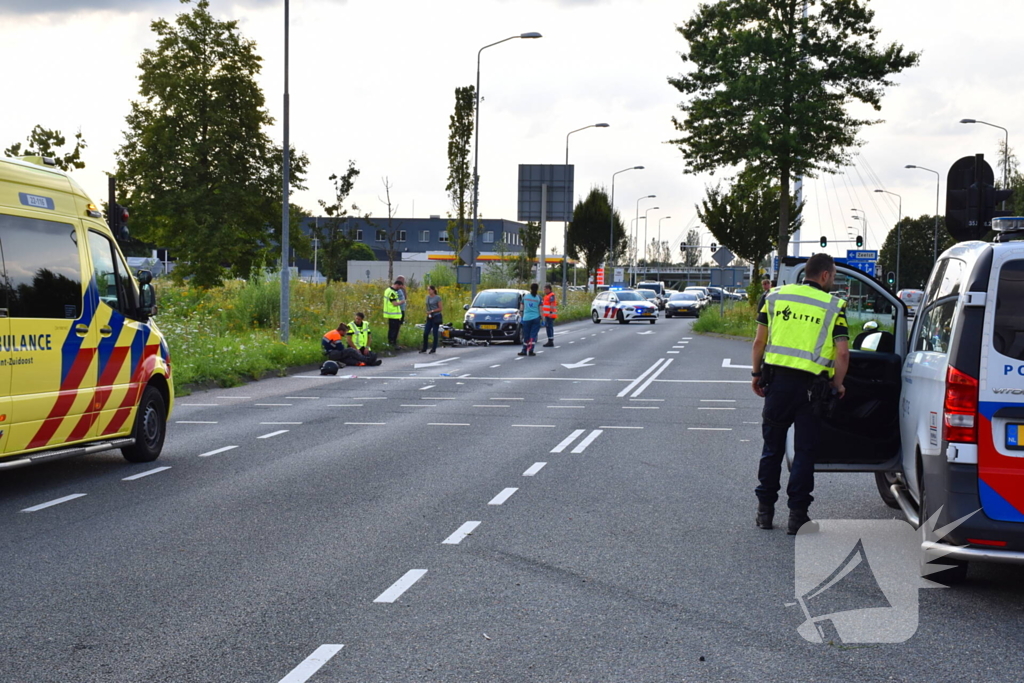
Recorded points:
(358, 338)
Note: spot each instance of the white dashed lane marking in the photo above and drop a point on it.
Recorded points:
(567, 440)
(718, 400)
(447, 424)
(429, 386)
(219, 450)
(503, 496)
(582, 446)
(534, 426)
(534, 469)
(271, 404)
(311, 664)
(345, 405)
(303, 398)
(140, 475)
(273, 434)
(280, 423)
(51, 503)
(709, 429)
(460, 533)
(400, 586)
(193, 422)
(614, 427)
(366, 423)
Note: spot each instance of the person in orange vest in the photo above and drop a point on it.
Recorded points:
(548, 313)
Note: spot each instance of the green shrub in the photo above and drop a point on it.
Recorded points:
(739, 320)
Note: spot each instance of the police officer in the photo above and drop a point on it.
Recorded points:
(802, 339)
(393, 311)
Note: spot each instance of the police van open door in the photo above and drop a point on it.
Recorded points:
(863, 435)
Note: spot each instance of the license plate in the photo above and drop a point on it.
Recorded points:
(488, 327)
(1015, 437)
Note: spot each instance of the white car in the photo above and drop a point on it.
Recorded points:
(938, 414)
(623, 306)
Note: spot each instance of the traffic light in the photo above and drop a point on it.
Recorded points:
(890, 278)
(859, 241)
(714, 246)
(991, 197)
(118, 221)
(824, 242)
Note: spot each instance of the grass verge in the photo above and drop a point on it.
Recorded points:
(739, 320)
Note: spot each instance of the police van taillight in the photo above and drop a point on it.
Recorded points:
(960, 408)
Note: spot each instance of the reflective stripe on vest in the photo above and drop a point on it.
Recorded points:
(792, 343)
(549, 309)
(360, 336)
(391, 307)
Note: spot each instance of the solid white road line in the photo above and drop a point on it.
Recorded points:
(429, 386)
(369, 398)
(280, 423)
(344, 405)
(272, 404)
(653, 377)
(364, 423)
(648, 400)
(718, 400)
(713, 408)
(460, 533)
(58, 501)
(506, 399)
(641, 407)
(710, 429)
(567, 407)
(447, 424)
(438, 398)
(567, 440)
(417, 405)
(219, 450)
(533, 426)
(613, 427)
(304, 398)
(491, 405)
(575, 399)
(705, 381)
(272, 434)
(400, 586)
(534, 469)
(631, 385)
(503, 496)
(582, 445)
(193, 422)
(140, 475)
(311, 664)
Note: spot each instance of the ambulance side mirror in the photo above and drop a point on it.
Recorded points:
(147, 295)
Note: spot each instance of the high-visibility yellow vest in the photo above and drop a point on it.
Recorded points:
(391, 307)
(360, 335)
(800, 321)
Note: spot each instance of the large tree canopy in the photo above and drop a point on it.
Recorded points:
(916, 244)
(768, 87)
(589, 230)
(200, 174)
(460, 137)
(47, 143)
(744, 216)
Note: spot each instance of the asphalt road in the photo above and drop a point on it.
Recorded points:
(484, 518)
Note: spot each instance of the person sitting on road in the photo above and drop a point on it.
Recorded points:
(358, 337)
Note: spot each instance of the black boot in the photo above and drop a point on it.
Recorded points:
(797, 518)
(765, 515)
(550, 343)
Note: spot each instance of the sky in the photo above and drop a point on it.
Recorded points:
(374, 81)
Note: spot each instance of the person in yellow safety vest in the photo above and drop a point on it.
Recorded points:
(549, 313)
(393, 311)
(800, 357)
(358, 334)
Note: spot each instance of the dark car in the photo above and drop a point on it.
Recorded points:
(684, 303)
(495, 315)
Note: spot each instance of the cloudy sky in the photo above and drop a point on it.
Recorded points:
(374, 80)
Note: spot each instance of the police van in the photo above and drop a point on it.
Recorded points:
(936, 411)
(83, 366)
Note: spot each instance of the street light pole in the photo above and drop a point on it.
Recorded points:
(935, 232)
(1006, 148)
(636, 230)
(659, 231)
(285, 218)
(647, 258)
(476, 148)
(899, 234)
(864, 223)
(567, 202)
(611, 215)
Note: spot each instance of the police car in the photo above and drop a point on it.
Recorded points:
(624, 306)
(937, 411)
(84, 367)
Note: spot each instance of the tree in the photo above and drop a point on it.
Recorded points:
(588, 232)
(460, 135)
(391, 232)
(201, 175)
(744, 216)
(332, 233)
(529, 240)
(46, 143)
(691, 256)
(915, 250)
(771, 88)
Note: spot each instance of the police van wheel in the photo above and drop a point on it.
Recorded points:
(957, 569)
(150, 428)
(883, 480)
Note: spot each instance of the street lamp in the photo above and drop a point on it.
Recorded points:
(1006, 148)
(864, 221)
(636, 230)
(611, 214)
(476, 146)
(899, 233)
(567, 200)
(935, 232)
(659, 230)
(646, 256)
(285, 218)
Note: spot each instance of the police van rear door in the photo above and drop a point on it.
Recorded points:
(863, 434)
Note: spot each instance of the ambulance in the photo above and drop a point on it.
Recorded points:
(83, 367)
(935, 407)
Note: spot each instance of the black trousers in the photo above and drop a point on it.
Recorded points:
(394, 325)
(432, 326)
(787, 404)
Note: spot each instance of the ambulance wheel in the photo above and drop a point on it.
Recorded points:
(595, 317)
(150, 428)
(883, 480)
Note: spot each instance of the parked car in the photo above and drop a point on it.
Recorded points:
(653, 297)
(495, 315)
(684, 303)
(938, 414)
(624, 306)
(703, 291)
(912, 298)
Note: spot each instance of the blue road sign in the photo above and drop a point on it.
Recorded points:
(862, 255)
(867, 266)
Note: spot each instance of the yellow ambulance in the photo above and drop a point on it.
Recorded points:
(83, 367)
